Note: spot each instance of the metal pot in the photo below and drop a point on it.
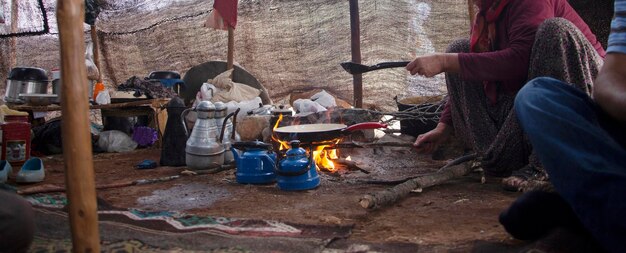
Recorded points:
(24, 80)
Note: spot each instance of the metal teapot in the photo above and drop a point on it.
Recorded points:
(297, 171)
(204, 149)
(227, 129)
(255, 164)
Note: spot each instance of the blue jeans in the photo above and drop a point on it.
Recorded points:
(583, 152)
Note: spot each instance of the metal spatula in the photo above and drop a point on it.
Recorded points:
(355, 68)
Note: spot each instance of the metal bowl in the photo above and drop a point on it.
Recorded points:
(39, 99)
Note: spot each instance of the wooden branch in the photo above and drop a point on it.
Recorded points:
(391, 195)
(77, 152)
(350, 165)
(400, 144)
(48, 188)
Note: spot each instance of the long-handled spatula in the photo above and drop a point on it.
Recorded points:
(355, 68)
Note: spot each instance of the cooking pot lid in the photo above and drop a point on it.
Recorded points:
(28, 74)
(164, 75)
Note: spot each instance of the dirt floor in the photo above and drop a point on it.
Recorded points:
(457, 215)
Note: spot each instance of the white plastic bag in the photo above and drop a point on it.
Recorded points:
(116, 141)
(232, 91)
(245, 107)
(307, 106)
(324, 99)
(92, 71)
(205, 93)
(103, 98)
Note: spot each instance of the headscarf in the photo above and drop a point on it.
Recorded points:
(484, 35)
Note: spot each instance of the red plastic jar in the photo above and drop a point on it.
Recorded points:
(15, 139)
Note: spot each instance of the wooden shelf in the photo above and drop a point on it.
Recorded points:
(154, 103)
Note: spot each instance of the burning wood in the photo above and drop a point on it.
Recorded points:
(323, 153)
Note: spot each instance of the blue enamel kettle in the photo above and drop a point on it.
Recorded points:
(255, 163)
(297, 171)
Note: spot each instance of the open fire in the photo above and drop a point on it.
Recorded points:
(323, 154)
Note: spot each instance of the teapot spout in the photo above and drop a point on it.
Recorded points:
(235, 154)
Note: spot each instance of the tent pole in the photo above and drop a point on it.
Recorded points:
(77, 153)
(470, 11)
(355, 29)
(231, 48)
(13, 40)
(96, 52)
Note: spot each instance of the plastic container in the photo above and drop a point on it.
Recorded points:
(15, 139)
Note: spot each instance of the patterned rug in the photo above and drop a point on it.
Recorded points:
(133, 230)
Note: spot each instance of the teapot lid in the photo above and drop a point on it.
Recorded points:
(205, 106)
(220, 106)
(246, 145)
(282, 110)
(295, 149)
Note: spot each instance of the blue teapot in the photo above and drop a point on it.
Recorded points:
(297, 171)
(255, 163)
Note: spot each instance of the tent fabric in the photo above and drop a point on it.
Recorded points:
(288, 45)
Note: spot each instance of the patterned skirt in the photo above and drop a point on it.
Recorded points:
(560, 51)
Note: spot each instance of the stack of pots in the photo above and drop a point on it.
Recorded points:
(25, 80)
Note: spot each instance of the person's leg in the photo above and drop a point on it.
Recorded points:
(586, 165)
(479, 124)
(17, 226)
(562, 52)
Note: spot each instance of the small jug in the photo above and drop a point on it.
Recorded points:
(297, 171)
(255, 164)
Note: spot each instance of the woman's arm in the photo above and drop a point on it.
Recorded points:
(609, 89)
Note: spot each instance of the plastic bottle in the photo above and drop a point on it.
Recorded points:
(97, 89)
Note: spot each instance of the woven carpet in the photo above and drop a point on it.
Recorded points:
(132, 230)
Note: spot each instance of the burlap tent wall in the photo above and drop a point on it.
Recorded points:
(286, 44)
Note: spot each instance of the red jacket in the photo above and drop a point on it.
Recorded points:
(515, 37)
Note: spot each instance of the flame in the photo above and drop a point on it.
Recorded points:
(323, 157)
(283, 144)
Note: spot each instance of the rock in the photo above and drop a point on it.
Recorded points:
(251, 127)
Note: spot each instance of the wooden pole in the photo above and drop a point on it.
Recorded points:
(77, 153)
(231, 48)
(470, 11)
(355, 30)
(96, 52)
(13, 41)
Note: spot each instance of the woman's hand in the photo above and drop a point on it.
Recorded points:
(434, 64)
(428, 142)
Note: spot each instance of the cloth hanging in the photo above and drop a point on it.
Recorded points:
(484, 35)
(224, 15)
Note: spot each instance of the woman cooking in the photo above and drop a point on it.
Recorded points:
(512, 41)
